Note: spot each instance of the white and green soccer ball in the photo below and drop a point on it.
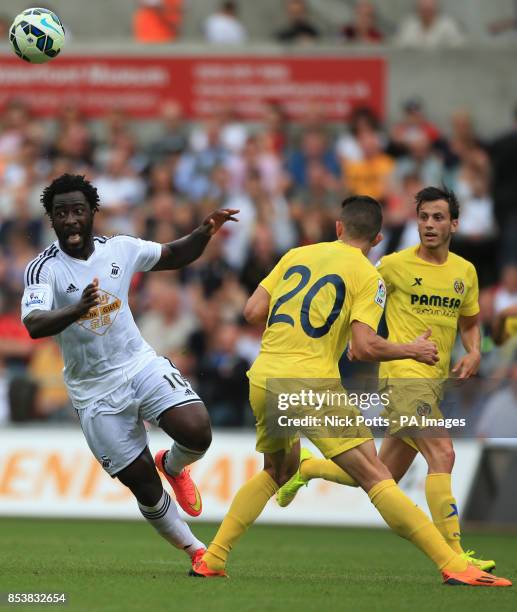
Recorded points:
(37, 35)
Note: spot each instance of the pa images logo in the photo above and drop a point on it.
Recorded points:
(459, 286)
(423, 409)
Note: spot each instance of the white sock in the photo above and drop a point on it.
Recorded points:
(164, 517)
(178, 457)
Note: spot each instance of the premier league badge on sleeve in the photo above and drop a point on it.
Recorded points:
(380, 296)
(35, 297)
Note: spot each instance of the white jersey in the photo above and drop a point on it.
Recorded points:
(103, 349)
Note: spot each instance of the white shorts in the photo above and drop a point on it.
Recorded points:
(113, 425)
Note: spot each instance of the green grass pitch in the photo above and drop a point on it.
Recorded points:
(110, 565)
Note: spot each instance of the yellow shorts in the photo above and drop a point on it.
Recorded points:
(411, 402)
(329, 447)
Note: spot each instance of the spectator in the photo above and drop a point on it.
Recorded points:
(275, 121)
(476, 235)
(233, 132)
(362, 119)
(300, 29)
(506, 25)
(314, 148)
(209, 318)
(499, 418)
(224, 27)
(414, 122)
(464, 138)
(223, 373)
(16, 346)
(363, 29)
(168, 322)
(465, 401)
(428, 28)
(120, 190)
(503, 153)
(4, 26)
(157, 21)
(209, 272)
(401, 230)
(505, 306)
(16, 121)
(173, 136)
(323, 190)
(258, 156)
(373, 172)
(195, 165)
(261, 259)
(421, 161)
(46, 370)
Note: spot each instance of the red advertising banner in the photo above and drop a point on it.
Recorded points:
(140, 85)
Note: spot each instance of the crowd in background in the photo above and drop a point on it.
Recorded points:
(426, 26)
(287, 179)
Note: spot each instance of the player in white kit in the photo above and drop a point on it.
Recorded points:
(77, 291)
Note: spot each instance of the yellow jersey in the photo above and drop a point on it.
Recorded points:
(424, 295)
(316, 292)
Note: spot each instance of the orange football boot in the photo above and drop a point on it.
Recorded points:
(473, 576)
(197, 556)
(201, 570)
(186, 492)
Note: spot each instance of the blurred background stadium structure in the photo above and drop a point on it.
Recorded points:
(443, 111)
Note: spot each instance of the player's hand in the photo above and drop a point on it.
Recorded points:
(219, 217)
(468, 365)
(90, 297)
(425, 349)
(350, 352)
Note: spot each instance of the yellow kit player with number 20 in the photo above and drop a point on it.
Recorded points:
(429, 288)
(316, 299)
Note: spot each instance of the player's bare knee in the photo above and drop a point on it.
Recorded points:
(286, 473)
(148, 493)
(197, 435)
(280, 474)
(440, 458)
(204, 437)
(372, 473)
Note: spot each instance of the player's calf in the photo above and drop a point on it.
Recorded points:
(155, 504)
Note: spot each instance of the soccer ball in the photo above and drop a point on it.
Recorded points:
(37, 35)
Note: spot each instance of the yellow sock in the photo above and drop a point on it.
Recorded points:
(411, 523)
(245, 508)
(444, 509)
(326, 469)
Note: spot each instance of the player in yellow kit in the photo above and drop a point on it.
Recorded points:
(316, 299)
(428, 288)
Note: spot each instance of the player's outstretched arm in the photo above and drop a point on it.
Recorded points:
(368, 346)
(181, 252)
(43, 323)
(257, 307)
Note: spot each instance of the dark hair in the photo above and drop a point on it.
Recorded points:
(362, 217)
(67, 183)
(431, 194)
(229, 6)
